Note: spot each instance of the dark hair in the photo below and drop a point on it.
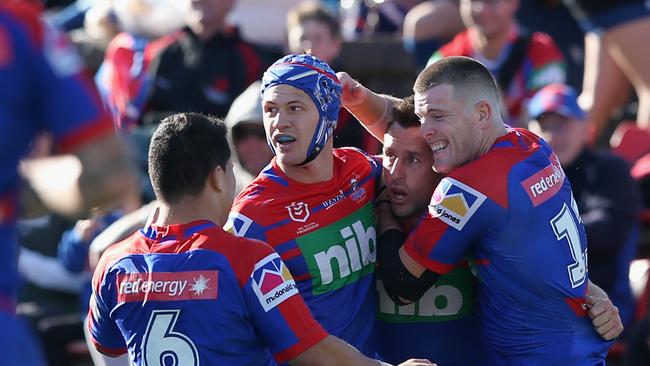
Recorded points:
(311, 10)
(404, 113)
(463, 73)
(184, 150)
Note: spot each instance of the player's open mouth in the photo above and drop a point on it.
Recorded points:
(284, 139)
(439, 146)
(398, 194)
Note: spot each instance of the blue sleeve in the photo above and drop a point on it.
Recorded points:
(72, 251)
(104, 333)
(66, 99)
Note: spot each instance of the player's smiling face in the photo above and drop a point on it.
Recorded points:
(409, 178)
(447, 126)
(290, 120)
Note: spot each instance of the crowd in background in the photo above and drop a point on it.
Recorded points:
(151, 59)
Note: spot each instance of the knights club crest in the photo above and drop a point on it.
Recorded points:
(298, 211)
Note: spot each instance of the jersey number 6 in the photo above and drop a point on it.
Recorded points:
(163, 346)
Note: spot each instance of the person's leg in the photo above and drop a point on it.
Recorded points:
(627, 45)
(428, 25)
(605, 87)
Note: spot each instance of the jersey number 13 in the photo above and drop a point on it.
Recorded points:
(565, 227)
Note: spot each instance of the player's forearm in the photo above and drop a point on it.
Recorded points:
(108, 176)
(99, 175)
(333, 351)
(375, 112)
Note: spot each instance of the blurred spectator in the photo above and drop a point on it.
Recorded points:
(313, 29)
(521, 63)
(122, 78)
(244, 121)
(206, 67)
(428, 26)
(373, 17)
(607, 196)
(246, 15)
(553, 18)
(616, 57)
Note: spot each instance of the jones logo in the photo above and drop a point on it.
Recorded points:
(454, 202)
(272, 282)
(298, 211)
(358, 251)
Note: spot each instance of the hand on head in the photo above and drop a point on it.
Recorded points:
(353, 92)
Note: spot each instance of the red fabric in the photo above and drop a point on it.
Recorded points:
(28, 13)
(630, 141)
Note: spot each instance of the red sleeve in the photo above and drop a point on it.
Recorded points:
(277, 309)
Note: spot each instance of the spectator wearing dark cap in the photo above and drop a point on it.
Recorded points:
(608, 198)
(244, 121)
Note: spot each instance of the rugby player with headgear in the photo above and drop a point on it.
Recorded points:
(313, 203)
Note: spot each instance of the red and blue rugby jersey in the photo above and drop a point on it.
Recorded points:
(199, 295)
(542, 65)
(325, 233)
(513, 209)
(123, 78)
(42, 88)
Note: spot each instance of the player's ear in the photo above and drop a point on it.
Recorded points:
(483, 113)
(216, 179)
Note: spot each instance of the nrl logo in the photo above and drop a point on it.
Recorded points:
(298, 211)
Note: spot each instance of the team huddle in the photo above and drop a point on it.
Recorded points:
(393, 280)
(460, 245)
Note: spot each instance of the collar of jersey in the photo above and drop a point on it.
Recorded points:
(176, 232)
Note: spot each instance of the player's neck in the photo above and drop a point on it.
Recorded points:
(408, 223)
(318, 170)
(490, 47)
(490, 137)
(191, 209)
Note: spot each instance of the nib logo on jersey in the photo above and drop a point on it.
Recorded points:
(454, 202)
(272, 282)
(167, 286)
(341, 253)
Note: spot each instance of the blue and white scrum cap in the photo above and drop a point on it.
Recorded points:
(319, 81)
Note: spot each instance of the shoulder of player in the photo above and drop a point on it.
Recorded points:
(242, 254)
(350, 154)
(254, 197)
(120, 250)
(356, 159)
(490, 173)
(114, 254)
